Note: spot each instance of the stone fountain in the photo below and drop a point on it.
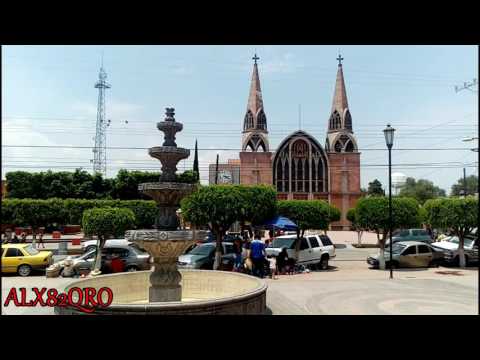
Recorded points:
(165, 290)
(165, 243)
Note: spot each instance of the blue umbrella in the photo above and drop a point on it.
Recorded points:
(282, 223)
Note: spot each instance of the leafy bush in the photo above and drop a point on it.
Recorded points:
(108, 221)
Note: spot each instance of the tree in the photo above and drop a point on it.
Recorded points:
(106, 222)
(421, 190)
(375, 188)
(352, 217)
(215, 206)
(219, 206)
(460, 215)
(471, 185)
(259, 203)
(372, 213)
(308, 214)
(195, 162)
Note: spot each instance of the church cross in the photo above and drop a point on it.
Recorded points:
(255, 58)
(339, 58)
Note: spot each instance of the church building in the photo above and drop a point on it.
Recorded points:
(301, 168)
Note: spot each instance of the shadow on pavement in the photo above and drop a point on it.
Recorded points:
(268, 311)
(340, 246)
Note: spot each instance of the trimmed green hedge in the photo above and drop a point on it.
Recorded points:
(38, 212)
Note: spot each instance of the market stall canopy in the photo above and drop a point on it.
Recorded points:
(281, 223)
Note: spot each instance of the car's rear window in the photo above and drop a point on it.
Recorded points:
(326, 240)
(289, 243)
(31, 250)
(203, 250)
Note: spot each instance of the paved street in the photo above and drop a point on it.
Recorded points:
(351, 288)
(348, 288)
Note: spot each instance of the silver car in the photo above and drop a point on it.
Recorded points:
(203, 256)
(409, 254)
(133, 258)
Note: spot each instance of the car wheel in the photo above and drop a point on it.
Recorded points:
(90, 248)
(323, 264)
(132, 269)
(24, 270)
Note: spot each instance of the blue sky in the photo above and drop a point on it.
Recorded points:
(48, 98)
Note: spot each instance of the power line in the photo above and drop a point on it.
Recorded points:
(215, 149)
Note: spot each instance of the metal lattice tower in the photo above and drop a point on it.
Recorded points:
(100, 149)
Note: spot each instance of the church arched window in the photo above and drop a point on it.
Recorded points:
(261, 121)
(335, 121)
(348, 120)
(248, 121)
(349, 147)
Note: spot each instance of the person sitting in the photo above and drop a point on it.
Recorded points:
(281, 261)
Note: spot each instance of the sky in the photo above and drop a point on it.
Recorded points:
(48, 98)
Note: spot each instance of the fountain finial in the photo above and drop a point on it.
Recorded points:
(170, 114)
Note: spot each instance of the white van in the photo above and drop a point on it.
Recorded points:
(314, 250)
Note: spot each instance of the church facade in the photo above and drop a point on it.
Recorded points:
(301, 168)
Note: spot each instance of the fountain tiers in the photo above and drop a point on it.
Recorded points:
(165, 244)
(165, 248)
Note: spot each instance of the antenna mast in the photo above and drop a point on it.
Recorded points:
(100, 149)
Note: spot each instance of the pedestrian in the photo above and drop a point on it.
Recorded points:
(15, 239)
(24, 238)
(237, 248)
(257, 253)
(247, 261)
(282, 259)
(40, 240)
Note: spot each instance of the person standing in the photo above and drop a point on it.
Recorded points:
(257, 253)
(15, 239)
(24, 238)
(40, 240)
(237, 248)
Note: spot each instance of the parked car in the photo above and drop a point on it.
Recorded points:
(89, 245)
(410, 235)
(409, 254)
(23, 258)
(449, 247)
(314, 250)
(230, 237)
(133, 258)
(203, 257)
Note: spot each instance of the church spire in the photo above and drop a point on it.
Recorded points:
(340, 132)
(255, 101)
(340, 102)
(255, 120)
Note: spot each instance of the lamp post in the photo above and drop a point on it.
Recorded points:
(388, 132)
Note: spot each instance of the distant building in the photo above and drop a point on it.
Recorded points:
(300, 168)
(228, 173)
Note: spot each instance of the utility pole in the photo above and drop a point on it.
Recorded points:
(216, 171)
(467, 86)
(100, 149)
(464, 182)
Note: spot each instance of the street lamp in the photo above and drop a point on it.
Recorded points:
(388, 132)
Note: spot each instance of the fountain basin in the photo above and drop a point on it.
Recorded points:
(204, 292)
